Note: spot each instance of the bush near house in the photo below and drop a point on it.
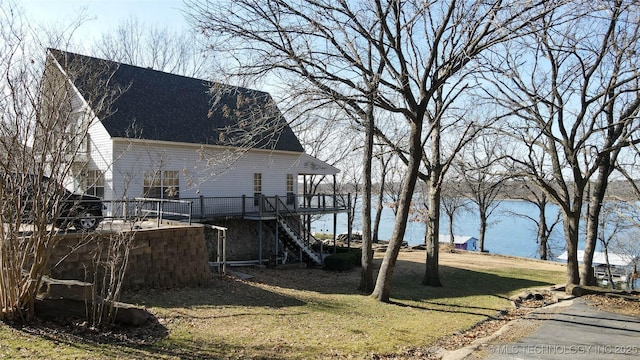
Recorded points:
(344, 259)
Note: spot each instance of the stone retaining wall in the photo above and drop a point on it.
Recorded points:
(166, 256)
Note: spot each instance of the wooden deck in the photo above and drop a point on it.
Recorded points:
(244, 207)
(268, 207)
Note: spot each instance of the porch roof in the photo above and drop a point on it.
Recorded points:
(309, 165)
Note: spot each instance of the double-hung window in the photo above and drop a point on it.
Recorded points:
(257, 188)
(163, 184)
(290, 195)
(94, 183)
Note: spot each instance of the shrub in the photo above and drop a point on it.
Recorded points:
(339, 262)
(356, 254)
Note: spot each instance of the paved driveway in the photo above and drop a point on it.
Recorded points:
(578, 331)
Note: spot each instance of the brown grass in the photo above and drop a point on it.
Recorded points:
(301, 313)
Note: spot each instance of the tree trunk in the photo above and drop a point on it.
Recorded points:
(596, 198)
(482, 229)
(543, 237)
(432, 273)
(609, 274)
(451, 236)
(586, 274)
(366, 278)
(570, 224)
(382, 290)
(379, 206)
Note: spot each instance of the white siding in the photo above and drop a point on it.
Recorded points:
(213, 174)
(101, 155)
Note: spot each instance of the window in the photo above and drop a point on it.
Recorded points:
(162, 184)
(75, 135)
(257, 188)
(94, 183)
(290, 195)
(170, 184)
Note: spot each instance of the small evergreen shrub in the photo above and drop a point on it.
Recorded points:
(356, 254)
(339, 262)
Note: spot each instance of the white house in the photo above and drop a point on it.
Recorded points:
(153, 134)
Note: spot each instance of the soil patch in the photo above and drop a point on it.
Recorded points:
(627, 306)
(76, 330)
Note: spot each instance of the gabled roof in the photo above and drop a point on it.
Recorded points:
(167, 107)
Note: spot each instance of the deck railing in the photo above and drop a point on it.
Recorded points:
(289, 219)
(186, 209)
(242, 206)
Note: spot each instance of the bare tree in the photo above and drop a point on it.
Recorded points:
(453, 201)
(483, 178)
(108, 271)
(291, 54)
(396, 173)
(136, 43)
(405, 58)
(350, 180)
(544, 225)
(572, 102)
(41, 129)
(429, 105)
(325, 134)
(384, 161)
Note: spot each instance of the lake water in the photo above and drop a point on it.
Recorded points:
(507, 234)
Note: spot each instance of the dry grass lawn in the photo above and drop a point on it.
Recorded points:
(300, 314)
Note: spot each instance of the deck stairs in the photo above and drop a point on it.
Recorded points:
(295, 241)
(294, 236)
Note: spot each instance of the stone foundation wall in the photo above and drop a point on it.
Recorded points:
(167, 256)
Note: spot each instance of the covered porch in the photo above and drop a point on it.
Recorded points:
(283, 222)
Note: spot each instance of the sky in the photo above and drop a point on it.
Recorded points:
(105, 15)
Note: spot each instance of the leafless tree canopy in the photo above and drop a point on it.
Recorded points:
(135, 43)
(410, 59)
(43, 126)
(483, 177)
(571, 99)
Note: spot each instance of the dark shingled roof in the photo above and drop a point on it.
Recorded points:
(167, 107)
